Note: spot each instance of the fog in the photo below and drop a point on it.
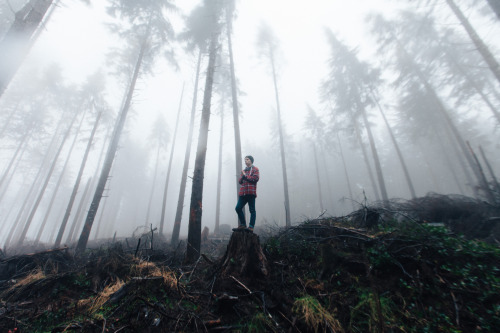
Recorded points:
(339, 70)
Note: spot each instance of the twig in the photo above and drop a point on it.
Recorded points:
(156, 307)
(152, 233)
(241, 284)
(194, 268)
(404, 271)
(207, 259)
(457, 315)
(291, 323)
(137, 247)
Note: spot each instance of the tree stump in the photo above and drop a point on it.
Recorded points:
(244, 256)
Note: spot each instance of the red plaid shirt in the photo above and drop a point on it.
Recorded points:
(249, 182)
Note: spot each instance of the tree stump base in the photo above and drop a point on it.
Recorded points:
(244, 256)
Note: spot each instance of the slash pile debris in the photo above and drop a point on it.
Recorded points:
(400, 275)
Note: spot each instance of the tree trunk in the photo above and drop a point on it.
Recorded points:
(472, 82)
(234, 93)
(110, 155)
(6, 123)
(282, 145)
(95, 177)
(182, 190)
(444, 113)
(490, 170)
(77, 182)
(17, 41)
(9, 179)
(219, 171)
(6, 214)
(33, 184)
(495, 5)
(244, 257)
(44, 186)
(76, 218)
(328, 179)
(151, 193)
(398, 151)
(20, 146)
(378, 167)
(485, 186)
(349, 187)
(195, 209)
(320, 197)
(367, 162)
(480, 45)
(165, 191)
(56, 188)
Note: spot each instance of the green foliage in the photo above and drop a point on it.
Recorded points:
(373, 313)
(259, 323)
(81, 280)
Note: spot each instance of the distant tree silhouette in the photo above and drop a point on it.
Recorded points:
(148, 32)
(268, 44)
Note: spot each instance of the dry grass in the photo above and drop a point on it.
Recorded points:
(315, 316)
(149, 269)
(102, 298)
(37, 275)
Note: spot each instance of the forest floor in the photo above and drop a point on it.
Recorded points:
(371, 271)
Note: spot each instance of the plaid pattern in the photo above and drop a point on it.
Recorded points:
(249, 183)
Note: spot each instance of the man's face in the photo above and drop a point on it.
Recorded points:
(247, 161)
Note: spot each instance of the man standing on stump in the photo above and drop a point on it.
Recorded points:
(247, 193)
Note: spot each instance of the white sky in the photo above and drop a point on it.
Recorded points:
(76, 39)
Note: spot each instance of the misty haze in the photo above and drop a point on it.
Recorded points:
(119, 118)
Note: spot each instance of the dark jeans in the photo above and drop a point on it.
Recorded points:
(242, 201)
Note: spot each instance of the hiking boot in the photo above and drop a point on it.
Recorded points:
(250, 229)
(241, 227)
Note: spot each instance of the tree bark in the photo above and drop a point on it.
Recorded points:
(165, 191)
(182, 190)
(195, 215)
(110, 155)
(244, 257)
